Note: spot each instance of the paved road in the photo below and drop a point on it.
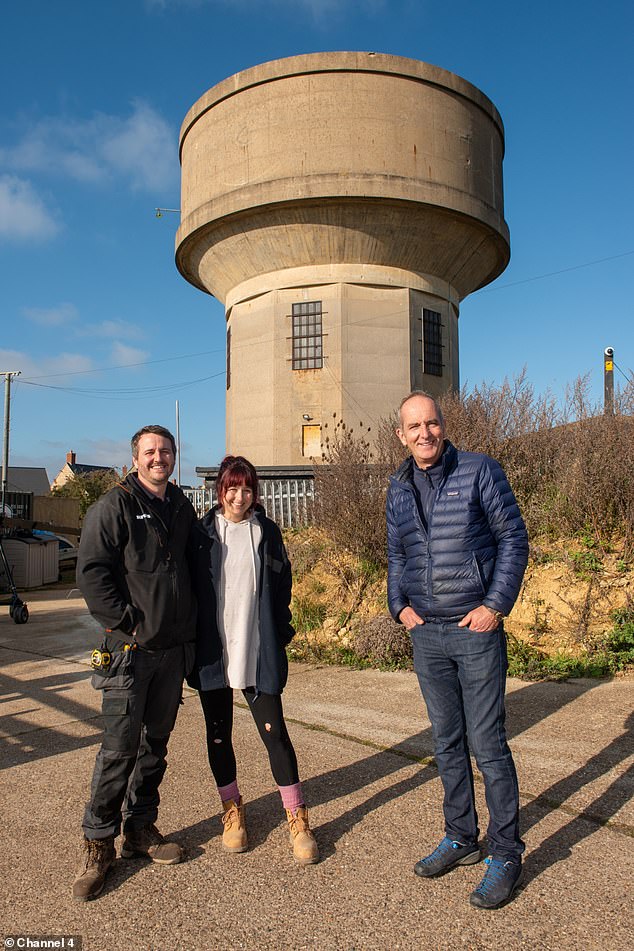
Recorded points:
(364, 747)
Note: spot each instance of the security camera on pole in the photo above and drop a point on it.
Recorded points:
(608, 381)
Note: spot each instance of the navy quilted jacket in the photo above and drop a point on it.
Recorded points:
(475, 550)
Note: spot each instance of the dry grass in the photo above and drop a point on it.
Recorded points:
(570, 467)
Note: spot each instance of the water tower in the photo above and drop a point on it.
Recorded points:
(340, 206)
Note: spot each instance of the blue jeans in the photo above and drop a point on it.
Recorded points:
(462, 676)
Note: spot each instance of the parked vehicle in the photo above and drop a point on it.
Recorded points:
(67, 550)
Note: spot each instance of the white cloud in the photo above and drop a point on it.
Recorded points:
(94, 452)
(319, 9)
(122, 355)
(104, 452)
(23, 214)
(121, 329)
(144, 149)
(55, 145)
(52, 316)
(53, 366)
(141, 148)
(66, 313)
(165, 4)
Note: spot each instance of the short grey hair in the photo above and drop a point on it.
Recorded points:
(426, 396)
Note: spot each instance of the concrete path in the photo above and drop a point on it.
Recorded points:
(364, 746)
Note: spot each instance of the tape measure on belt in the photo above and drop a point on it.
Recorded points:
(100, 660)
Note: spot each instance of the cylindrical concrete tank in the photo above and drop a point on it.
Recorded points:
(365, 187)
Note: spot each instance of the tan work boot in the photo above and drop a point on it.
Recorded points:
(303, 841)
(234, 834)
(99, 854)
(148, 841)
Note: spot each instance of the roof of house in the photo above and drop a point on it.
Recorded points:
(82, 468)
(28, 479)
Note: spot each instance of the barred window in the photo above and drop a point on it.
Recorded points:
(432, 342)
(228, 357)
(307, 336)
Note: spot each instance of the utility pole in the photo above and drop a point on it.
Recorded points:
(5, 445)
(608, 381)
(178, 446)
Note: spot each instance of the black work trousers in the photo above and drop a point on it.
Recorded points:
(139, 706)
(269, 718)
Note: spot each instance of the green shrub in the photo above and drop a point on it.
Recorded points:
(527, 662)
(307, 615)
(605, 658)
(618, 644)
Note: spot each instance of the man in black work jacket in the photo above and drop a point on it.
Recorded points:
(134, 574)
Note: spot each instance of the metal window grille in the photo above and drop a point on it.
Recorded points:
(432, 342)
(307, 336)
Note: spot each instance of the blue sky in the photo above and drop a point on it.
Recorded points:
(108, 335)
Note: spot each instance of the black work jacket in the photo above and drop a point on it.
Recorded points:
(133, 566)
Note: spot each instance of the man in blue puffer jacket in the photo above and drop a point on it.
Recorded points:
(457, 552)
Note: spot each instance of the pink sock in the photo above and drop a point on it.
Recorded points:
(292, 796)
(230, 792)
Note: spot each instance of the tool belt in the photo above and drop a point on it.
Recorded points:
(106, 661)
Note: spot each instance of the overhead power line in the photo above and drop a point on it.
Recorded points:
(267, 338)
(140, 392)
(123, 366)
(563, 270)
(630, 379)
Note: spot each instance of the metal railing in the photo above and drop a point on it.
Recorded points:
(18, 504)
(200, 498)
(286, 501)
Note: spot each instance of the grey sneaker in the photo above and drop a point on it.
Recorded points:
(148, 841)
(446, 856)
(499, 882)
(98, 856)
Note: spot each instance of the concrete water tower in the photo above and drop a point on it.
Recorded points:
(340, 205)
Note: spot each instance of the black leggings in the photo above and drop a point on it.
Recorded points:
(269, 718)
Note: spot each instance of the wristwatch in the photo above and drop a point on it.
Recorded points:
(496, 614)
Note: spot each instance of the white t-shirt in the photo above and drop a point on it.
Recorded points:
(238, 605)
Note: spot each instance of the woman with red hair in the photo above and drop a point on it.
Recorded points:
(243, 584)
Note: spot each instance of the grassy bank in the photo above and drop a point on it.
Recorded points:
(574, 616)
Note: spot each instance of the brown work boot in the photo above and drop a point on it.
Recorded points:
(234, 834)
(303, 841)
(148, 841)
(99, 854)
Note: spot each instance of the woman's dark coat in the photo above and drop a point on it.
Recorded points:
(274, 595)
